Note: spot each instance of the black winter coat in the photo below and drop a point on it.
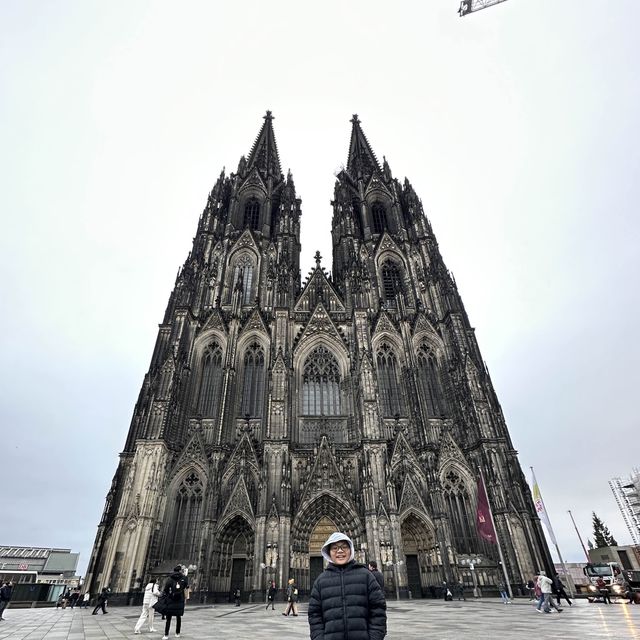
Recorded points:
(346, 603)
(175, 587)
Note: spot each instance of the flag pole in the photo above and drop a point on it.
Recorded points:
(579, 536)
(542, 510)
(493, 524)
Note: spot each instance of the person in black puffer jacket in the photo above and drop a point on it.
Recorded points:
(175, 588)
(346, 601)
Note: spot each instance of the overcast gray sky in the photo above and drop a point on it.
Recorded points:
(517, 126)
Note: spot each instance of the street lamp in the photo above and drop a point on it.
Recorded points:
(472, 562)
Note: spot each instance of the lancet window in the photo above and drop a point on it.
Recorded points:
(243, 278)
(253, 381)
(211, 381)
(379, 216)
(391, 283)
(389, 382)
(186, 518)
(252, 215)
(321, 384)
(429, 381)
(459, 508)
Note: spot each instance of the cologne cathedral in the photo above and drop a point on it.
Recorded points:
(277, 410)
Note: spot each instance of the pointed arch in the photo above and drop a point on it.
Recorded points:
(430, 381)
(185, 515)
(321, 384)
(379, 219)
(389, 383)
(459, 505)
(251, 218)
(391, 282)
(211, 378)
(253, 380)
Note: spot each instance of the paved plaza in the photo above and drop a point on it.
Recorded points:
(407, 620)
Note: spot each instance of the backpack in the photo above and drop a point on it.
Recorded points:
(175, 589)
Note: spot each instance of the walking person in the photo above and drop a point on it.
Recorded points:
(176, 588)
(271, 595)
(461, 591)
(346, 601)
(292, 598)
(546, 588)
(373, 567)
(103, 599)
(236, 596)
(6, 592)
(603, 588)
(503, 593)
(151, 593)
(85, 600)
(558, 589)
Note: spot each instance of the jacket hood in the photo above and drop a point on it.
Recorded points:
(336, 537)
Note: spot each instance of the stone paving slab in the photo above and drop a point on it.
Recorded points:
(407, 620)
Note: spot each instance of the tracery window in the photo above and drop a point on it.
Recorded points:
(379, 216)
(391, 282)
(321, 384)
(251, 215)
(253, 381)
(185, 521)
(243, 277)
(389, 382)
(461, 514)
(430, 383)
(211, 381)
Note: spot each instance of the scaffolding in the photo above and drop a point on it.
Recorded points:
(627, 496)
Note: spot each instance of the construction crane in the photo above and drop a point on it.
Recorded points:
(470, 6)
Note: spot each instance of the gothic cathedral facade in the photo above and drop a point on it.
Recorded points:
(277, 410)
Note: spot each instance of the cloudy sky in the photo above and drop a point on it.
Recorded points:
(516, 125)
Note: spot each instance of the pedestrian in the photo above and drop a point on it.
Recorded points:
(446, 592)
(546, 601)
(85, 600)
(150, 597)
(346, 601)
(503, 592)
(603, 588)
(176, 588)
(236, 596)
(558, 589)
(461, 591)
(271, 595)
(6, 592)
(292, 598)
(103, 599)
(531, 585)
(373, 567)
(75, 594)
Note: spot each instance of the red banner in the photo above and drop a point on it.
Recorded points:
(483, 515)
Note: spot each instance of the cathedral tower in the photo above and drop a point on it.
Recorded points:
(276, 411)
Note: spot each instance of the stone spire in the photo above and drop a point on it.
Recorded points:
(264, 153)
(362, 162)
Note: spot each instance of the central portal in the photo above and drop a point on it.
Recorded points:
(323, 529)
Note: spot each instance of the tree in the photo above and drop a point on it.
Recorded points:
(601, 534)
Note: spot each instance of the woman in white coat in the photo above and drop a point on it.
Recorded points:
(151, 593)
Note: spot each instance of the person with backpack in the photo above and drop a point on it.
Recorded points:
(176, 589)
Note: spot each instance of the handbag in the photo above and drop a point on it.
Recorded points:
(162, 604)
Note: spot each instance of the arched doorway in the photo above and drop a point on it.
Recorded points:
(233, 566)
(328, 509)
(419, 547)
(323, 529)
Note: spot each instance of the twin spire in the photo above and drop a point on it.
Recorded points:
(361, 160)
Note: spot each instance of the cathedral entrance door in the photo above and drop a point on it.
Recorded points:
(237, 574)
(413, 576)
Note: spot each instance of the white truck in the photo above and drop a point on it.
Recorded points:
(618, 581)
